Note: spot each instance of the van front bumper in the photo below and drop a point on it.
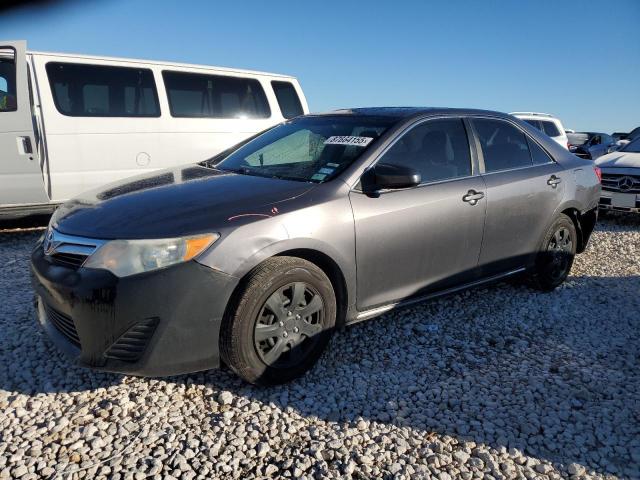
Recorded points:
(160, 323)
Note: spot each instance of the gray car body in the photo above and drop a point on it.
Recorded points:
(380, 251)
(411, 244)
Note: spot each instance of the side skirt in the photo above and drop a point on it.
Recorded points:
(374, 312)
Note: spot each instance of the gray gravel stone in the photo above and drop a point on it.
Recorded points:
(498, 382)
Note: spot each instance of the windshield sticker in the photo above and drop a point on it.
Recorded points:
(334, 165)
(319, 177)
(348, 140)
(327, 171)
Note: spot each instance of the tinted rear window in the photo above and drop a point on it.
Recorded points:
(288, 100)
(81, 90)
(550, 128)
(533, 123)
(215, 96)
(503, 145)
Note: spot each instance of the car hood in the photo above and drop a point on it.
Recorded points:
(619, 160)
(175, 202)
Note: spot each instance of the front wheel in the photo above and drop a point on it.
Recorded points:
(280, 322)
(555, 258)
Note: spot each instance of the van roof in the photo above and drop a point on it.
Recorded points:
(158, 62)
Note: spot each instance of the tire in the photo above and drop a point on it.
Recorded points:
(555, 257)
(267, 341)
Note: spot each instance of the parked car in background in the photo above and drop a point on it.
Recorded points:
(254, 257)
(633, 134)
(546, 123)
(621, 178)
(591, 145)
(69, 123)
(620, 137)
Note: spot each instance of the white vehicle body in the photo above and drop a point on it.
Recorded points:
(546, 123)
(621, 179)
(70, 123)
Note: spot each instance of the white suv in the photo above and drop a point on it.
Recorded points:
(545, 123)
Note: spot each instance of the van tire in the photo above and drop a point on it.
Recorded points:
(296, 341)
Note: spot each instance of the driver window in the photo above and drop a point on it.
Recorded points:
(8, 100)
(438, 149)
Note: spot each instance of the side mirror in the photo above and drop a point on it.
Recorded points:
(387, 176)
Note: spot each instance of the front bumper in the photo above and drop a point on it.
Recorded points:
(607, 203)
(160, 323)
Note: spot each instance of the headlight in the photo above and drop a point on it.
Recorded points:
(128, 257)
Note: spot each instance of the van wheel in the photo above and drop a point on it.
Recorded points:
(280, 322)
(555, 258)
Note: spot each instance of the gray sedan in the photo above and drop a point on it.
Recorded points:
(254, 257)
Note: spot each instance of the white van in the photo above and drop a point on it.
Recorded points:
(69, 123)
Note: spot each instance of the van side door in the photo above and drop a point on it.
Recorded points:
(21, 180)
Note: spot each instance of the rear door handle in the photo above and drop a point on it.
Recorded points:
(553, 181)
(472, 197)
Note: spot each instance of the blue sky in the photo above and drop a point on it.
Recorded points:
(579, 60)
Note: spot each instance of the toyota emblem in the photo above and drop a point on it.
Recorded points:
(48, 242)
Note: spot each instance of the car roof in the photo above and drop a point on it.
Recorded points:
(409, 112)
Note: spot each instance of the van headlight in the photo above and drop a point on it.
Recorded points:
(128, 257)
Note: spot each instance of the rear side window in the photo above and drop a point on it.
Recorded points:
(534, 123)
(438, 149)
(550, 128)
(538, 155)
(8, 98)
(81, 90)
(288, 100)
(197, 95)
(503, 145)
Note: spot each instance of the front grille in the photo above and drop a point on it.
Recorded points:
(132, 344)
(68, 250)
(69, 259)
(63, 324)
(611, 182)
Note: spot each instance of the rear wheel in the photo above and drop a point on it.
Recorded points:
(280, 323)
(555, 258)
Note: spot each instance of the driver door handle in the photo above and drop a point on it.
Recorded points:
(472, 197)
(553, 181)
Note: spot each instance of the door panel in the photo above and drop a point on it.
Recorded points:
(21, 180)
(519, 208)
(412, 242)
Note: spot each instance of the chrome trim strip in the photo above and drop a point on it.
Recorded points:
(374, 312)
(56, 242)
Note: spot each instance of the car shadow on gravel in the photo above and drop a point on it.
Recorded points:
(626, 222)
(555, 376)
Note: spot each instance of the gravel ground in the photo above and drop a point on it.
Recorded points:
(501, 382)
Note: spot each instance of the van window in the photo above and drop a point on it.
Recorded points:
(199, 95)
(81, 90)
(8, 99)
(288, 100)
(503, 145)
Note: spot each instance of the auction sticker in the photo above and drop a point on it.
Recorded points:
(348, 140)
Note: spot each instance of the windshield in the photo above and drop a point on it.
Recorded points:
(632, 147)
(308, 149)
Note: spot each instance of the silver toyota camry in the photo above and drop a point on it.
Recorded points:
(254, 257)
